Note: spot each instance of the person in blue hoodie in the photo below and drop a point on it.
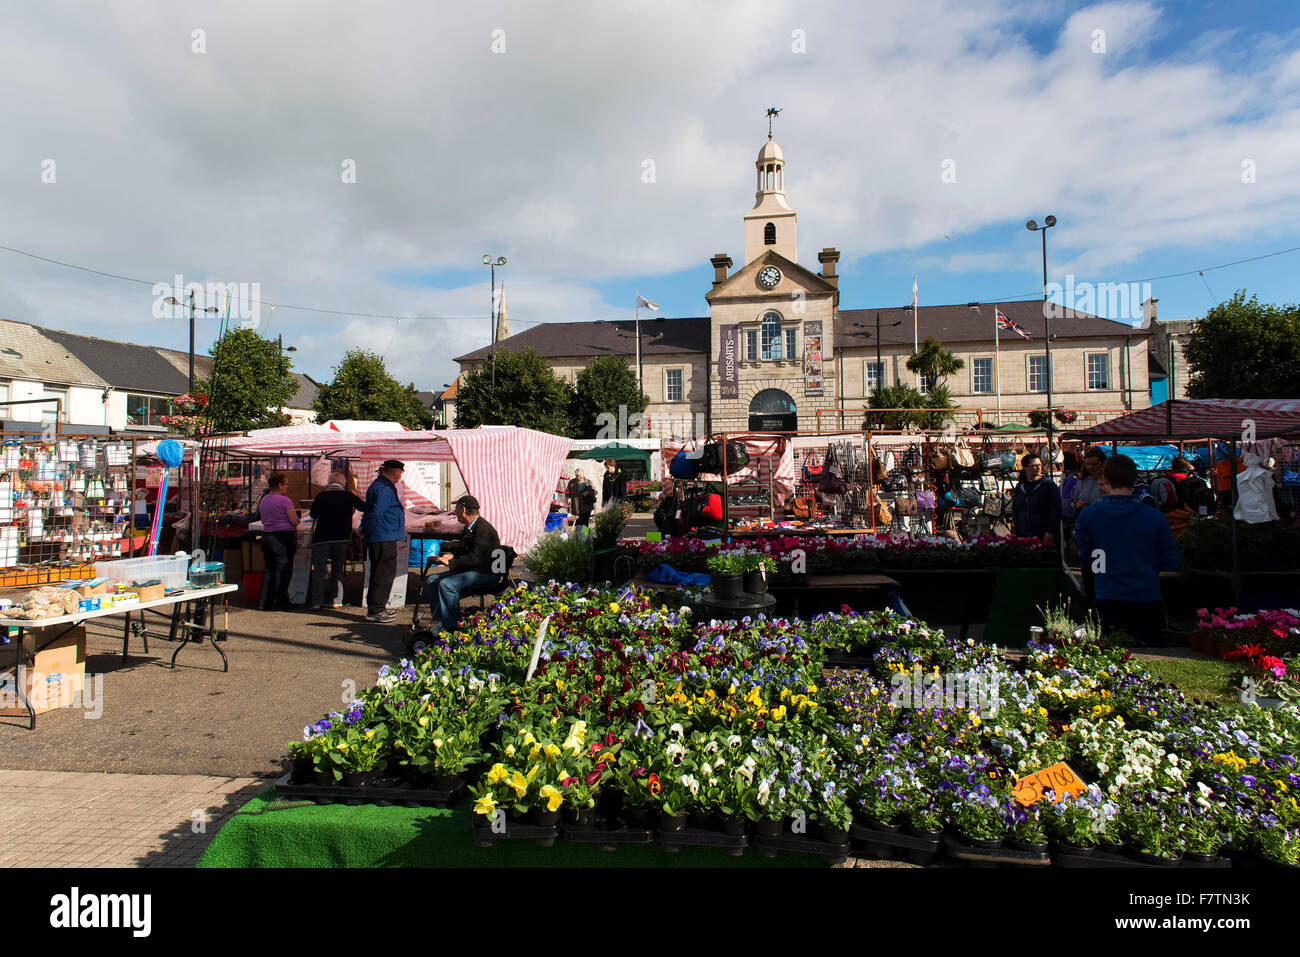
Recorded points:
(1127, 545)
(383, 525)
(1036, 503)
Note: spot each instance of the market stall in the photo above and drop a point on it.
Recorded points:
(1250, 424)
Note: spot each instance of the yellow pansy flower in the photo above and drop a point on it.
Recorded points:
(532, 772)
(510, 752)
(551, 752)
(485, 805)
(517, 782)
(551, 796)
(497, 773)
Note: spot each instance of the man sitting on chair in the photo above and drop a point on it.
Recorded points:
(476, 559)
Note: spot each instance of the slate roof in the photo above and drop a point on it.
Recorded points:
(614, 338)
(962, 323)
(26, 352)
(125, 365)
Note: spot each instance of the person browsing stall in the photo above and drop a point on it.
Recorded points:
(475, 560)
(279, 541)
(1036, 503)
(383, 525)
(331, 537)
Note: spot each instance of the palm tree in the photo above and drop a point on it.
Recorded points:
(934, 362)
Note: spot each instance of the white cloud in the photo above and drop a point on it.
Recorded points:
(227, 163)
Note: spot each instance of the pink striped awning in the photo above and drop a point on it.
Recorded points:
(1201, 419)
(511, 471)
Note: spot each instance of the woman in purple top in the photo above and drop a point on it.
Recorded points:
(279, 541)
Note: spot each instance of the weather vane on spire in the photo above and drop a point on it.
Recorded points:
(772, 111)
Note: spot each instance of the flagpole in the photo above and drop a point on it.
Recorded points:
(916, 343)
(997, 360)
(637, 323)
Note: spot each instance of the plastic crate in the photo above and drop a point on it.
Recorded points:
(207, 574)
(555, 521)
(171, 570)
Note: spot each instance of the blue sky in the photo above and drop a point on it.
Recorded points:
(521, 130)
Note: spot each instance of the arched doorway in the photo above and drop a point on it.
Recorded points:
(772, 410)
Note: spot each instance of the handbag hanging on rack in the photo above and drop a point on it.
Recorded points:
(940, 459)
(962, 457)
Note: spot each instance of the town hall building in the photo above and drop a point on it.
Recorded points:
(776, 352)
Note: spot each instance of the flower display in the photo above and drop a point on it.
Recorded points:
(740, 723)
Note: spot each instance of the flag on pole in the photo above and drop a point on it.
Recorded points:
(643, 301)
(1007, 325)
(914, 290)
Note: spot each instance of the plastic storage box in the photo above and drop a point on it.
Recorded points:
(171, 570)
(207, 574)
(422, 549)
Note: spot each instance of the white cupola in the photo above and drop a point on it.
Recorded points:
(771, 223)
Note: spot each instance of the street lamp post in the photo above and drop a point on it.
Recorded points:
(211, 311)
(1033, 226)
(492, 309)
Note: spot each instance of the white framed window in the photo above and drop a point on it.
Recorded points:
(1037, 374)
(771, 335)
(1097, 370)
(4, 397)
(146, 409)
(751, 344)
(673, 385)
(49, 409)
(981, 376)
(791, 345)
(873, 374)
(924, 383)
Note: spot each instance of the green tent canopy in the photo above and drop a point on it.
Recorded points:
(619, 453)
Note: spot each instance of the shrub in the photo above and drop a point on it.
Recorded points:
(561, 559)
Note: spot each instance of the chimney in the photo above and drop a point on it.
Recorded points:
(721, 263)
(1149, 312)
(828, 257)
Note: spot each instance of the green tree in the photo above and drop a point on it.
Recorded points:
(362, 388)
(894, 397)
(1244, 349)
(528, 394)
(602, 387)
(251, 382)
(934, 362)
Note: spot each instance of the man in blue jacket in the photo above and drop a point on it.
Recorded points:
(383, 525)
(1127, 545)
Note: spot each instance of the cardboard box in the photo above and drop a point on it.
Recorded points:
(149, 592)
(55, 681)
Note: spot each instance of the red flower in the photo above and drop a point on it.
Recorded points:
(595, 748)
(639, 773)
(654, 786)
(594, 776)
(638, 706)
(568, 782)
(609, 739)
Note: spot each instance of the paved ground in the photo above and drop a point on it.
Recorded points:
(81, 819)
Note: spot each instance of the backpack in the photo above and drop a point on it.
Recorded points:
(1195, 494)
(683, 467)
(1165, 493)
(665, 515)
(1068, 485)
(1142, 492)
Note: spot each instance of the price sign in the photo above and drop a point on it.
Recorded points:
(1058, 778)
(537, 648)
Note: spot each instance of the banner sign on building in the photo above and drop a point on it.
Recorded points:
(729, 361)
(812, 358)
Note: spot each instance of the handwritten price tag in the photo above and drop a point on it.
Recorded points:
(1058, 779)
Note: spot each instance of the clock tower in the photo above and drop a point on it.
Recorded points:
(772, 321)
(771, 223)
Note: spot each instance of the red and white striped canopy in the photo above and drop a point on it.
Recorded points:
(511, 471)
(1201, 419)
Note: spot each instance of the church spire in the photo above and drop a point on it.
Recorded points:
(503, 316)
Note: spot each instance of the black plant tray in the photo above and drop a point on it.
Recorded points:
(1109, 859)
(545, 835)
(608, 838)
(771, 846)
(674, 841)
(894, 840)
(392, 792)
(846, 661)
(994, 855)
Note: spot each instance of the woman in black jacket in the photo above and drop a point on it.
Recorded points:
(614, 487)
(1036, 503)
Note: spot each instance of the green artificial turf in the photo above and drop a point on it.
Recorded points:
(267, 832)
(1203, 678)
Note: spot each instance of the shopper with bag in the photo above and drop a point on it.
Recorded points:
(1035, 503)
(279, 541)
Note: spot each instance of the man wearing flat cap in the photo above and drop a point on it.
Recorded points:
(383, 525)
(471, 563)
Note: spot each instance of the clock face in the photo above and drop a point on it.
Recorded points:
(769, 276)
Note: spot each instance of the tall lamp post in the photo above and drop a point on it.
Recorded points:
(210, 311)
(492, 309)
(880, 363)
(1033, 226)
